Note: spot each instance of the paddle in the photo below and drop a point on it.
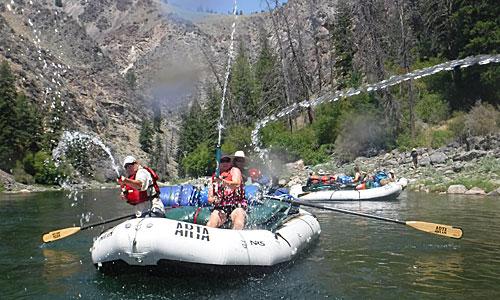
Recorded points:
(62, 233)
(439, 229)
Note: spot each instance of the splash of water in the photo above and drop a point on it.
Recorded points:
(228, 71)
(393, 80)
(68, 139)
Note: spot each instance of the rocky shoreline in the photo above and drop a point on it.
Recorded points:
(472, 168)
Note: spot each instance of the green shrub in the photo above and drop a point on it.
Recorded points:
(327, 125)
(482, 119)
(432, 108)
(46, 171)
(291, 146)
(238, 138)
(457, 126)
(20, 175)
(441, 138)
(200, 162)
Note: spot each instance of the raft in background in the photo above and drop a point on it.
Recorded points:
(386, 192)
(275, 232)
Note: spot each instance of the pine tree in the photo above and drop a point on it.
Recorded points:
(8, 132)
(28, 125)
(156, 161)
(146, 137)
(244, 104)
(343, 47)
(268, 79)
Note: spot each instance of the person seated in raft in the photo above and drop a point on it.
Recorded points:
(227, 194)
(357, 175)
(239, 161)
(392, 176)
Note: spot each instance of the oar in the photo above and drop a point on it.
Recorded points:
(62, 233)
(439, 229)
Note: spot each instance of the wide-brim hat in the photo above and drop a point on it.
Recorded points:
(239, 154)
(129, 160)
(225, 155)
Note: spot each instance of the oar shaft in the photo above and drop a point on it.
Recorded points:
(434, 228)
(338, 210)
(107, 221)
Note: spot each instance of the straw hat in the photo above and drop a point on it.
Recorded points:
(239, 154)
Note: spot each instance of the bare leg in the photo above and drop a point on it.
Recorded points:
(238, 217)
(217, 218)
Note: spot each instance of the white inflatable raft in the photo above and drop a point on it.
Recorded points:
(386, 192)
(173, 246)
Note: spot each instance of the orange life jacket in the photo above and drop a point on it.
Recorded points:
(314, 179)
(135, 197)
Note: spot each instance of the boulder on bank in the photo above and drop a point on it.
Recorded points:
(494, 193)
(475, 191)
(456, 189)
(438, 158)
(295, 166)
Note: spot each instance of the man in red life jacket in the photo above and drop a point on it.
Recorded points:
(227, 194)
(140, 189)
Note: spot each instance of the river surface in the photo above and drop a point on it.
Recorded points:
(354, 258)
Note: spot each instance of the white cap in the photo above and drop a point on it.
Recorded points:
(391, 171)
(129, 160)
(239, 154)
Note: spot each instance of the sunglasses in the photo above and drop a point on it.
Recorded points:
(225, 160)
(129, 165)
(239, 160)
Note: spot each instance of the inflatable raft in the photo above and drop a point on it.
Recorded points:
(386, 192)
(274, 233)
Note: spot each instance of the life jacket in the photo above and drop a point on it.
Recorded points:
(361, 186)
(332, 179)
(135, 197)
(228, 196)
(314, 179)
(325, 179)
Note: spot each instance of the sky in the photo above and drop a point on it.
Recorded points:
(225, 6)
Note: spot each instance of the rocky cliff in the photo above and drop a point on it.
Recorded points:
(81, 53)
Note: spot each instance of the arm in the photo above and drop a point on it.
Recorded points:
(135, 184)
(237, 179)
(211, 198)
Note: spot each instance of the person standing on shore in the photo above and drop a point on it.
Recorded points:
(414, 157)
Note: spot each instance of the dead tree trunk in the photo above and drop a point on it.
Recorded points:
(283, 60)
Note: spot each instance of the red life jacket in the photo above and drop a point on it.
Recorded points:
(228, 196)
(135, 197)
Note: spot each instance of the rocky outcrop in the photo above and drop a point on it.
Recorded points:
(457, 189)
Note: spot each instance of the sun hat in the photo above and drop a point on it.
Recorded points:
(129, 160)
(239, 154)
(224, 155)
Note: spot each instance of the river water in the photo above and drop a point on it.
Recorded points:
(354, 258)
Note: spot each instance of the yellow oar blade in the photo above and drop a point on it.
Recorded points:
(59, 234)
(439, 229)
